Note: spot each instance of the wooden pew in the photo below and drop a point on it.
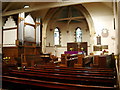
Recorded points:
(91, 80)
(69, 73)
(96, 61)
(37, 84)
(111, 74)
(75, 73)
(82, 73)
(63, 60)
(101, 77)
(68, 60)
(79, 61)
(71, 68)
(104, 61)
(66, 73)
(106, 70)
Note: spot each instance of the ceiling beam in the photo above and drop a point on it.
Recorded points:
(8, 6)
(41, 7)
(71, 18)
(50, 5)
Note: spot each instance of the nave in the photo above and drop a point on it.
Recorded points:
(60, 45)
(61, 75)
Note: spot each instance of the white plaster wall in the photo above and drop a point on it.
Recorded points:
(102, 15)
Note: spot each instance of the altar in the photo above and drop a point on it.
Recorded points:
(71, 52)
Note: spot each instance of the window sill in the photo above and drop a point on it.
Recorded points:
(57, 45)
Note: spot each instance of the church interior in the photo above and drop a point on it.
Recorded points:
(60, 45)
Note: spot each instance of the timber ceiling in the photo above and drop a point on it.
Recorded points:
(11, 8)
(8, 6)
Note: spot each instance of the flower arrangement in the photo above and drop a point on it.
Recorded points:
(71, 49)
(6, 60)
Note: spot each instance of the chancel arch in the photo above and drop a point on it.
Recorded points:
(68, 19)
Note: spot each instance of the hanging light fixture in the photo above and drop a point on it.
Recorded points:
(26, 6)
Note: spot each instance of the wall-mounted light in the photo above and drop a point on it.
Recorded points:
(51, 29)
(67, 31)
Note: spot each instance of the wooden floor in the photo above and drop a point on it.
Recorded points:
(60, 78)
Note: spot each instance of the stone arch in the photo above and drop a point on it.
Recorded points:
(45, 22)
(90, 24)
(80, 8)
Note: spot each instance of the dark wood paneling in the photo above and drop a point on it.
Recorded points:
(72, 45)
(78, 46)
(84, 46)
(102, 62)
(10, 51)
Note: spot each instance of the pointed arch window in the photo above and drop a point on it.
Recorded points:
(56, 36)
(78, 35)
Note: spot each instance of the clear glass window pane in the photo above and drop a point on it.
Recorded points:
(56, 37)
(78, 35)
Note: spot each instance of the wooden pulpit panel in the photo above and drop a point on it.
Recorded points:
(73, 45)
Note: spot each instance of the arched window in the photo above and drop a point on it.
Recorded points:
(56, 36)
(78, 35)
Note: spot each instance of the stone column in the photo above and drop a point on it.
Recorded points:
(118, 39)
(0, 27)
(0, 43)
